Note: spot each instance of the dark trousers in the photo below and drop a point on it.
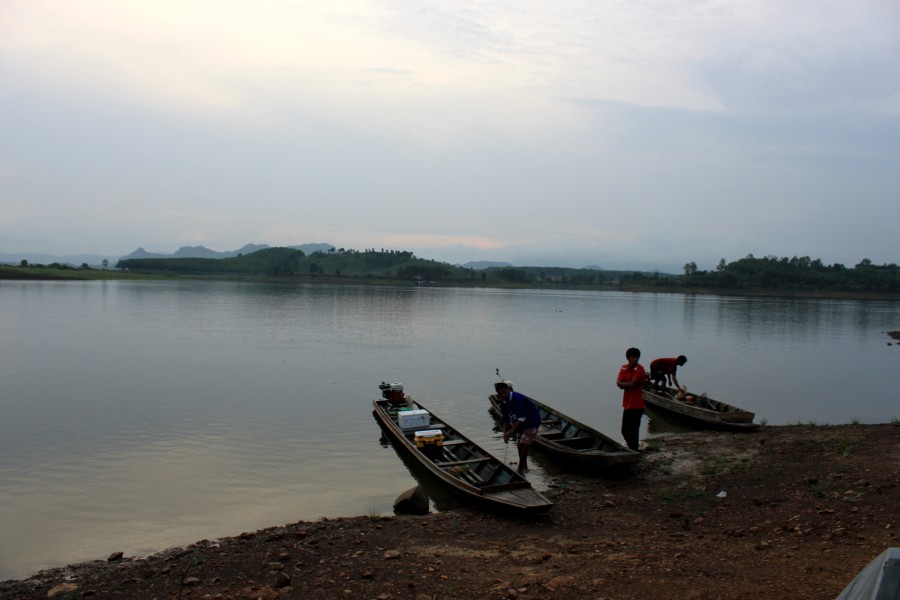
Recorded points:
(631, 426)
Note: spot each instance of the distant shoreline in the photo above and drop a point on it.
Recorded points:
(45, 274)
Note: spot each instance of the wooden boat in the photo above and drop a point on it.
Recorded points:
(703, 412)
(575, 444)
(468, 470)
(879, 580)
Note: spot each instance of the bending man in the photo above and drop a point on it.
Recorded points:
(662, 369)
(521, 418)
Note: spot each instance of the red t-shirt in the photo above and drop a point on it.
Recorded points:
(632, 397)
(666, 365)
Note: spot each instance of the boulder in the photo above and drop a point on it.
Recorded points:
(412, 502)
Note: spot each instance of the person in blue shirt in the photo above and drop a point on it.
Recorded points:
(520, 418)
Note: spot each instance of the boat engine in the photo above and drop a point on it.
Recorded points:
(392, 392)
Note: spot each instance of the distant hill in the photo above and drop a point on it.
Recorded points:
(484, 264)
(46, 259)
(96, 260)
(294, 262)
(204, 252)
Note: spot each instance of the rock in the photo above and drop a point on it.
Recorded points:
(189, 581)
(413, 501)
(263, 593)
(63, 588)
(281, 580)
(391, 554)
(115, 556)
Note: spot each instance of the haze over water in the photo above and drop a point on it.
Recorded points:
(139, 416)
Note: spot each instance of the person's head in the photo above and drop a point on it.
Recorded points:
(503, 388)
(633, 355)
(681, 360)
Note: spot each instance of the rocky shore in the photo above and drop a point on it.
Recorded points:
(786, 512)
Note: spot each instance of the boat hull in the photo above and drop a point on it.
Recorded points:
(470, 472)
(575, 445)
(703, 413)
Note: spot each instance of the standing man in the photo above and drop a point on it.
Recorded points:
(664, 368)
(521, 418)
(631, 380)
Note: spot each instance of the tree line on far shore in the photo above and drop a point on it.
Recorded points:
(770, 273)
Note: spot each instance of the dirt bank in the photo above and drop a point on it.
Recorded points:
(787, 512)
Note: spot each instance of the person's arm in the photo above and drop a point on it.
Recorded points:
(636, 380)
(509, 432)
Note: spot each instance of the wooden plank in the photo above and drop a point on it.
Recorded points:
(574, 439)
(455, 442)
(456, 463)
(499, 487)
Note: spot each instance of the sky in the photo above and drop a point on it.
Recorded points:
(611, 133)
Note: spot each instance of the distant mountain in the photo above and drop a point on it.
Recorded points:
(76, 260)
(204, 252)
(484, 264)
(96, 260)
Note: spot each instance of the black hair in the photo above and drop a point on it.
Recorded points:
(681, 358)
(632, 352)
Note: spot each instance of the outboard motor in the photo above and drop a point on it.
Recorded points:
(392, 392)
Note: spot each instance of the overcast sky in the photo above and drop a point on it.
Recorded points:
(632, 133)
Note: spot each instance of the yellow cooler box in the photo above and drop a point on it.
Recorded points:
(434, 437)
(430, 442)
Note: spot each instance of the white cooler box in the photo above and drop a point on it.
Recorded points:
(418, 419)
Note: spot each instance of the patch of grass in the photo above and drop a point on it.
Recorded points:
(763, 422)
(819, 490)
(185, 569)
(758, 476)
(713, 464)
(855, 421)
(679, 494)
(846, 446)
(834, 486)
(653, 445)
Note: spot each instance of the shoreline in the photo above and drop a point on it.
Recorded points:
(809, 505)
(13, 274)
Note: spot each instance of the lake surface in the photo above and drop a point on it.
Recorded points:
(140, 416)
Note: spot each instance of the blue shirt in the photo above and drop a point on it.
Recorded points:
(520, 408)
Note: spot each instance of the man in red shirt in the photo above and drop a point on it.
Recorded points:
(631, 379)
(662, 368)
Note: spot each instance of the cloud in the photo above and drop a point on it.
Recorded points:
(610, 128)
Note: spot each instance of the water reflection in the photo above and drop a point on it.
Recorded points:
(253, 401)
(440, 498)
(659, 424)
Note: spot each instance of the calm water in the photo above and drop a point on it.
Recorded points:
(139, 416)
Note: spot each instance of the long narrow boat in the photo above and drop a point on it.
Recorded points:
(575, 444)
(468, 470)
(879, 580)
(703, 412)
